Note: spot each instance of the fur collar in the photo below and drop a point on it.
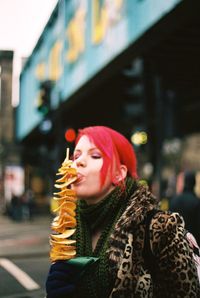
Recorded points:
(140, 202)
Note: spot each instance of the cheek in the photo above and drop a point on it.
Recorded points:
(94, 175)
(94, 178)
(99, 166)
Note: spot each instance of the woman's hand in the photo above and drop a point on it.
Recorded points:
(59, 282)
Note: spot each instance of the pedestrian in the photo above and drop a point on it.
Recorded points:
(30, 199)
(188, 204)
(197, 184)
(112, 213)
(16, 207)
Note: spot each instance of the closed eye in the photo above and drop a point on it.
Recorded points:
(96, 156)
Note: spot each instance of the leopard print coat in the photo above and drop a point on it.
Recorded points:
(175, 272)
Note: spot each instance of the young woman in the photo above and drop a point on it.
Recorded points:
(112, 230)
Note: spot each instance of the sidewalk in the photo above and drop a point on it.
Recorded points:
(25, 238)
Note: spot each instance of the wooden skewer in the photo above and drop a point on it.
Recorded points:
(67, 153)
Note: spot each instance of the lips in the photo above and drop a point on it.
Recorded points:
(79, 179)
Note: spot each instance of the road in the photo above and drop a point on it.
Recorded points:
(24, 257)
(16, 284)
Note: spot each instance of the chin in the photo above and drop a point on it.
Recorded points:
(84, 197)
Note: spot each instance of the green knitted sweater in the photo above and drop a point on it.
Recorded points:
(96, 282)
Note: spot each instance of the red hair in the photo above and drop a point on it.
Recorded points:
(116, 150)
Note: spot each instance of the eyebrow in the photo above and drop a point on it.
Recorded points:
(91, 149)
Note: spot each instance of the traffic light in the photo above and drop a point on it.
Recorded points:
(135, 103)
(70, 135)
(44, 98)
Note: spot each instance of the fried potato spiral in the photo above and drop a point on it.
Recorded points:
(63, 225)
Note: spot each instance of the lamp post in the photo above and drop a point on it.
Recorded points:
(159, 131)
(0, 87)
(1, 152)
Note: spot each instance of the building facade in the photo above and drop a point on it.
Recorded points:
(11, 174)
(131, 65)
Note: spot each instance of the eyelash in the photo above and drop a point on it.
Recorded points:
(96, 156)
(93, 156)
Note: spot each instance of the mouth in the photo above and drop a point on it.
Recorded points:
(79, 179)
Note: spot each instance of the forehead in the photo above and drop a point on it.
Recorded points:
(85, 143)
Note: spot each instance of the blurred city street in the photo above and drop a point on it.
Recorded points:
(30, 238)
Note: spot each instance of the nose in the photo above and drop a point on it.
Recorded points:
(80, 162)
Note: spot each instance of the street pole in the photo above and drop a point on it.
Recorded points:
(0, 87)
(159, 131)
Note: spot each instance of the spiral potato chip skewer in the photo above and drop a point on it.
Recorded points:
(63, 225)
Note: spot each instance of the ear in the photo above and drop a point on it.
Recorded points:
(121, 175)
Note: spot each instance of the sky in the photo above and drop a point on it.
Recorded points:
(21, 23)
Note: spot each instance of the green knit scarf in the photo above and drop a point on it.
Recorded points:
(97, 282)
